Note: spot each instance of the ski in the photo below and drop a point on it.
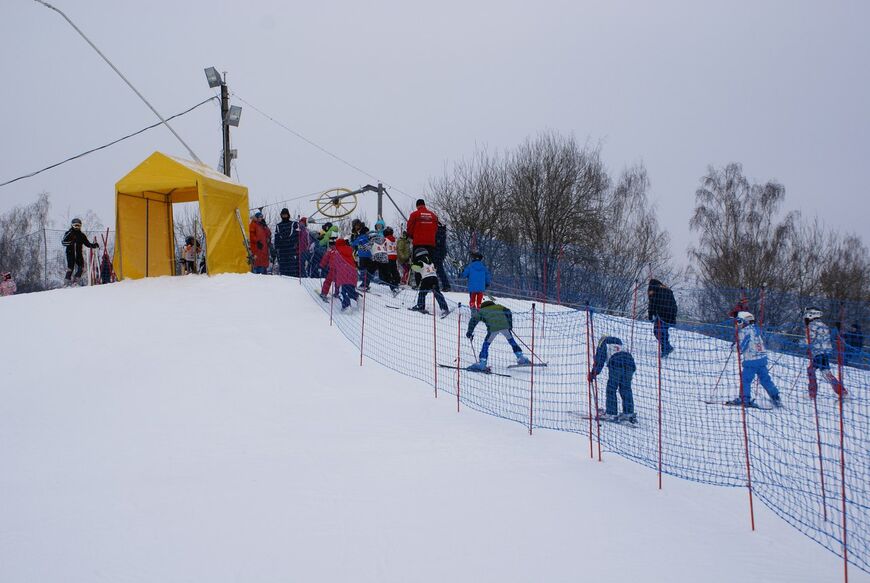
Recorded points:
(726, 404)
(537, 364)
(498, 374)
(600, 417)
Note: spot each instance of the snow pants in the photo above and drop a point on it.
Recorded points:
(619, 379)
(431, 283)
(660, 329)
(348, 293)
(490, 336)
(757, 368)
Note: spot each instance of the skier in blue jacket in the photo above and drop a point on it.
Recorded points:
(754, 358)
(620, 369)
(478, 277)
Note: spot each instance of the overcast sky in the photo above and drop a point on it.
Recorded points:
(402, 89)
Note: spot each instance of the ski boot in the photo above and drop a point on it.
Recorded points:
(628, 418)
(523, 361)
(478, 366)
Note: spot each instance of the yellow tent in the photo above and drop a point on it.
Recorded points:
(144, 231)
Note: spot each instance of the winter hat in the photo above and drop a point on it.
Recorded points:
(258, 215)
(421, 252)
(421, 202)
(654, 284)
(476, 256)
(388, 232)
(812, 313)
(327, 226)
(380, 224)
(284, 211)
(76, 221)
(303, 220)
(745, 317)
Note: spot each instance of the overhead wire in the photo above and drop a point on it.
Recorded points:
(318, 146)
(104, 146)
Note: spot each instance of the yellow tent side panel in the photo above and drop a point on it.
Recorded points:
(161, 247)
(144, 238)
(218, 207)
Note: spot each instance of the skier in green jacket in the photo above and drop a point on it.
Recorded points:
(499, 321)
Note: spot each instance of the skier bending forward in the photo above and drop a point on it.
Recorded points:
(499, 321)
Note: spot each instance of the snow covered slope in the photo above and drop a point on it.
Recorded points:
(217, 429)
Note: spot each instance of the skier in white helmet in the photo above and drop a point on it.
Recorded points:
(819, 343)
(754, 358)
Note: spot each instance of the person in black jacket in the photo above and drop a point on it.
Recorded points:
(440, 254)
(662, 310)
(287, 245)
(73, 240)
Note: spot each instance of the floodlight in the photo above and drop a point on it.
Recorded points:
(214, 78)
(233, 116)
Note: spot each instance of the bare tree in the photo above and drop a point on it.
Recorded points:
(22, 244)
(742, 242)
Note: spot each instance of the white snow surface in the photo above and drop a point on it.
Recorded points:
(218, 429)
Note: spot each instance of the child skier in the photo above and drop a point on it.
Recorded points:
(754, 358)
(73, 240)
(427, 279)
(478, 277)
(324, 265)
(403, 257)
(342, 269)
(499, 321)
(7, 285)
(620, 369)
(391, 271)
(189, 254)
(819, 346)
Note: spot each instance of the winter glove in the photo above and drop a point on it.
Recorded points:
(259, 244)
(469, 335)
(591, 376)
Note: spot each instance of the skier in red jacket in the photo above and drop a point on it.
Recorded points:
(422, 226)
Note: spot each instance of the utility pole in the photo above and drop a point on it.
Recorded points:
(225, 110)
(380, 201)
(230, 115)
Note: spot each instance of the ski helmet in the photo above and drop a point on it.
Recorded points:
(421, 252)
(76, 221)
(812, 313)
(745, 317)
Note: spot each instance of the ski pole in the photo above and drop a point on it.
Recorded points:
(527, 347)
(727, 360)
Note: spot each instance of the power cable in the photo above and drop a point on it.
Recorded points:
(152, 126)
(318, 146)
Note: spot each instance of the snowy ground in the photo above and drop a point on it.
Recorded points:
(217, 429)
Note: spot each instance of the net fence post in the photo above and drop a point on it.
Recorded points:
(840, 362)
(434, 340)
(595, 381)
(812, 382)
(532, 377)
(743, 418)
(589, 384)
(659, 399)
(363, 326)
(458, 344)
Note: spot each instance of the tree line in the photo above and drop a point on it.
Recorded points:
(552, 201)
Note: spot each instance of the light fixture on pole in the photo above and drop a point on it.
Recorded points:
(229, 115)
